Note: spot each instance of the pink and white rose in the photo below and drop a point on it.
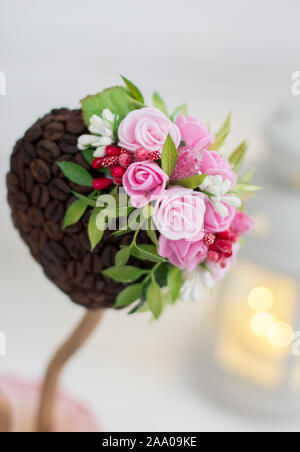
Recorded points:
(213, 222)
(148, 129)
(183, 253)
(144, 182)
(242, 224)
(213, 164)
(179, 214)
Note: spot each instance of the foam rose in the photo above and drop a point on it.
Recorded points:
(144, 182)
(147, 128)
(179, 214)
(242, 223)
(213, 222)
(183, 253)
(213, 164)
(194, 133)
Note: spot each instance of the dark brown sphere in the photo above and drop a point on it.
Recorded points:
(39, 196)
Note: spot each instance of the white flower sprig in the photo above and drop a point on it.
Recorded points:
(195, 280)
(219, 188)
(102, 130)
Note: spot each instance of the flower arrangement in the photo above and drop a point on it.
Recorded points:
(164, 175)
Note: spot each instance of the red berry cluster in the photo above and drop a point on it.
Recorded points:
(220, 246)
(118, 160)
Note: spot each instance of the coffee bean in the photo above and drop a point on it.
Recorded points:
(73, 229)
(56, 252)
(99, 283)
(56, 171)
(93, 263)
(55, 211)
(12, 182)
(60, 111)
(68, 144)
(59, 189)
(47, 119)
(43, 240)
(27, 181)
(80, 188)
(53, 230)
(27, 153)
(84, 240)
(40, 195)
(73, 246)
(108, 255)
(53, 131)
(75, 271)
(40, 171)
(48, 151)
(33, 134)
(35, 216)
(20, 201)
(81, 161)
(75, 126)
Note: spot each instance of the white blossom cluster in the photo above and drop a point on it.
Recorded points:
(102, 130)
(219, 188)
(194, 281)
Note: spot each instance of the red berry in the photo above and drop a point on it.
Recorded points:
(141, 155)
(154, 155)
(118, 171)
(225, 235)
(97, 163)
(213, 256)
(117, 180)
(112, 151)
(101, 183)
(106, 162)
(225, 246)
(209, 239)
(223, 262)
(124, 151)
(125, 160)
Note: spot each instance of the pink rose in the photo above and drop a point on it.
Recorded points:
(213, 164)
(144, 182)
(147, 128)
(183, 253)
(213, 222)
(218, 272)
(194, 133)
(179, 214)
(242, 224)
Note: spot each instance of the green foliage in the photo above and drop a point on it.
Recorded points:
(237, 157)
(123, 256)
(159, 103)
(76, 173)
(154, 298)
(133, 90)
(192, 181)
(116, 99)
(124, 273)
(182, 110)
(88, 201)
(88, 155)
(94, 232)
(222, 134)
(146, 252)
(169, 156)
(175, 282)
(74, 213)
(129, 295)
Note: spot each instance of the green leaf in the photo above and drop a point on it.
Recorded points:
(192, 182)
(121, 232)
(88, 155)
(88, 201)
(134, 91)
(161, 274)
(95, 234)
(124, 273)
(238, 155)
(247, 178)
(123, 255)
(154, 299)
(74, 213)
(222, 134)
(159, 103)
(152, 236)
(146, 252)
(182, 110)
(115, 99)
(175, 282)
(76, 173)
(247, 188)
(169, 156)
(129, 295)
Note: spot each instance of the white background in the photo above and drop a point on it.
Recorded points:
(217, 56)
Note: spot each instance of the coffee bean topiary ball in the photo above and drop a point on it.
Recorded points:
(39, 195)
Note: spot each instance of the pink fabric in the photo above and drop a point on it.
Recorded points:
(183, 253)
(179, 214)
(144, 182)
(194, 133)
(147, 128)
(213, 222)
(218, 272)
(242, 224)
(23, 397)
(214, 164)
